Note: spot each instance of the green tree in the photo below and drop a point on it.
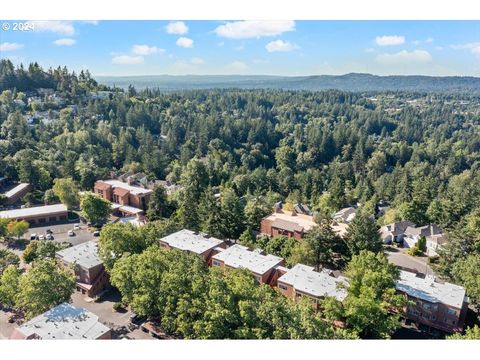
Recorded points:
(40, 249)
(363, 234)
(44, 286)
(471, 333)
(231, 212)
(371, 297)
(67, 191)
(17, 228)
(94, 208)
(7, 258)
(9, 286)
(466, 271)
(159, 206)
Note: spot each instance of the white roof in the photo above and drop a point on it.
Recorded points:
(429, 290)
(33, 211)
(133, 189)
(85, 255)
(65, 322)
(238, 256)
(130, 209)
(191, 241)
(12, 192)
(319, 284)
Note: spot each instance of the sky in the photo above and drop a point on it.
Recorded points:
(289, 48)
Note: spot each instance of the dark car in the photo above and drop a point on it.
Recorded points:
(48, 231)
(137, 319)
(96, 233)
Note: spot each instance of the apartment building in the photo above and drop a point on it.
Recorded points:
(90, 273)
(16, 193)
(64, 322)
(126, 198)
(263, 267)
(37, 215)
(193, 242)
(437, 305)
(303, 281)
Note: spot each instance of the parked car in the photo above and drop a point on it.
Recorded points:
(71, 233)
(33, 236)
(41, 237)
(137, 319)
(48, 231)
(49, 237)
(76, 227)
(96, 233)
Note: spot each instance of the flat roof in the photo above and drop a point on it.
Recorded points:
(12, 192)
(429, 290)
(238, 256)
(304, 221)
(137, 190)
(130, 209)
(189, 240)
(65, 322)
(319, 284)
(85, 255)
(33, 211)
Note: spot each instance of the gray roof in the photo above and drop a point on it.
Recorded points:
(426, 230)
(238, 256)
(12, 192)
(188, 240)
(65, 322)
(430, 290)
(286, 225)
(318, 284)
(396, 228)
(85, 255)
(33, 211)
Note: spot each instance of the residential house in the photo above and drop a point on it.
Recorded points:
(193, 242)
(38, 215)
(64, 322)
(126, 199)
(90, 273)
(263, 267)
(345, 215)
(303, 281)
(438, 305)
(413, 234)
(394, 232)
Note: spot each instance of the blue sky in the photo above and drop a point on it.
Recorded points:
(249, 47)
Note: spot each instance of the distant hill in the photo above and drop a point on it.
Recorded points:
(349, 82)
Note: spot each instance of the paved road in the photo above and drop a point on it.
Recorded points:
(400, 258)
(60, 233)
(5, 327)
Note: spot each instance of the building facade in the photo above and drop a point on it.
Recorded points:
(123, 194)
(38, 215)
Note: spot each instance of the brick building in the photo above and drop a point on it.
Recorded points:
(16, 193)
(38, 215)
(263, 267)
(437, 305)
(131, 200)
(90, 273)
(64, 322)
(193, 242)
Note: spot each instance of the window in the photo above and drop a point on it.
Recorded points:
(216, 263)
(283, 287)
(427, 306)
(451, 312)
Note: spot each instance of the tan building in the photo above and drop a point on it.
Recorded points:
(15, 194)
(437, 305)
(63, 322)
(303, 281)
(263, 267)
(90, 273)
(38, 215)
(193, 242)
(126, 198)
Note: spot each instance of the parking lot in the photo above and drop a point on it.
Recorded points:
(60, 233)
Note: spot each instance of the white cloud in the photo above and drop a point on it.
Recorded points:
(280, 45)
(127, 60)
(260, 61)
(254, 29)
(6, 46)
(185, 42)
(473, 47)
(197, 61)
(177, 27)
(429, 40)
(404, 57)
(416, 42)
(65, 42)
(389, 40)
(59, 27)
(237, 66)
(370, 50)
(146, 50)
(91, 22)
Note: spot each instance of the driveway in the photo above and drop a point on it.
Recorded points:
(107, 316)
(400, 258)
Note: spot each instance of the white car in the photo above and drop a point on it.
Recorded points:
(49, 237)
(33, 236)
(41, 237)
(76, 227)
(71, 233)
